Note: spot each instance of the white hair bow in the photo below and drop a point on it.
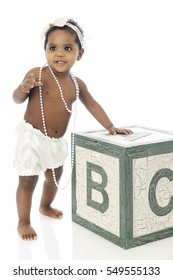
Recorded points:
(60, 22)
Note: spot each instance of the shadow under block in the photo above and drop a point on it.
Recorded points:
(122, 186)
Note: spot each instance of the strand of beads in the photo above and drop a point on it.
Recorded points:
(66, 107)
(41, 103)
(60, 89)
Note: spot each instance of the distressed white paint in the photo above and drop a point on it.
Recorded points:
(154, 136)
(109, 220)
(144, 220)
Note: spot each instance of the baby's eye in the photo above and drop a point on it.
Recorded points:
(52, 48)
(67, 48)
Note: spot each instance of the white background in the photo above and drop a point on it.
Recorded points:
(128, 67)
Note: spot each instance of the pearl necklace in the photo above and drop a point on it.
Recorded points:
(68, 110)
(60, 89)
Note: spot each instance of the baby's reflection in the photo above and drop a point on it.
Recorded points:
(50, 237)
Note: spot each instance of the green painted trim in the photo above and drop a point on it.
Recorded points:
(155, 236)
(126, 188)
(125, 243)
(101, 147)
(150, 149)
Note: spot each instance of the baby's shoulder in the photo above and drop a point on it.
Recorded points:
(34, 71)
(82, 84)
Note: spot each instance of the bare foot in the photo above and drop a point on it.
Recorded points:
(51, 212)
(26, 232)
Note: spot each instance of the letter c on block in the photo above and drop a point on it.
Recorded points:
(155, 207)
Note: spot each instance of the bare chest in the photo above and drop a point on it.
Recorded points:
(61, 96)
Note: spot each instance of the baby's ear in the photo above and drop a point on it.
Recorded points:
(81, 52)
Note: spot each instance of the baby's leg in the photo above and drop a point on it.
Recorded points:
(49, 193)
(24, 199)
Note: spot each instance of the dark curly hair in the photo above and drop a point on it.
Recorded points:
(65, 27)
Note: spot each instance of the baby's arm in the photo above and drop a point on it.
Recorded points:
(98, 112)
(22, 92)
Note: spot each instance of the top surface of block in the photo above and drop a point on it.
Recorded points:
(140, 136)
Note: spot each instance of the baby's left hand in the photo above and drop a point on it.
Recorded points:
(114, 130)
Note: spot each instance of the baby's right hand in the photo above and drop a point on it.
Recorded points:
(29, 83)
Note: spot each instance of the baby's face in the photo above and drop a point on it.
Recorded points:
(62, 51)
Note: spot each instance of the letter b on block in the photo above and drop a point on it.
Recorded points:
(99, 187)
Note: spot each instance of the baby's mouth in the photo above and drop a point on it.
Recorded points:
(60, 62)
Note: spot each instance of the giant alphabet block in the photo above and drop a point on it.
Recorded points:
(122, 186)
